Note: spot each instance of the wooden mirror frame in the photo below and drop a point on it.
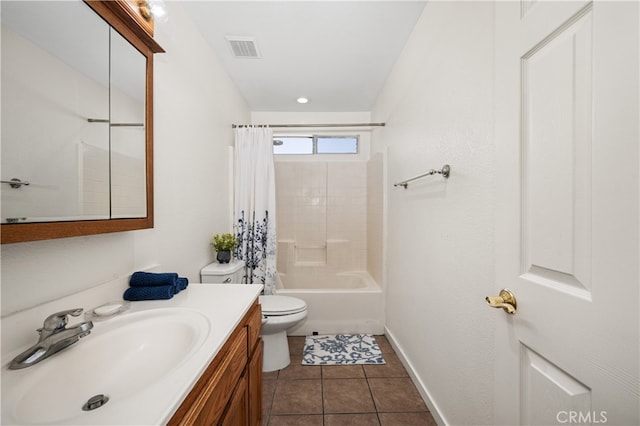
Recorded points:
(125, 18)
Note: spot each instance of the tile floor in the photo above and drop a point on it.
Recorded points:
(358, 395)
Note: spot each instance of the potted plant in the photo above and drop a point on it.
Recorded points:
(224, 244)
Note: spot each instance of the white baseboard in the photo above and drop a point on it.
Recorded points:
(422, 389)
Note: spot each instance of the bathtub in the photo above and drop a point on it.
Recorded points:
(345, 302)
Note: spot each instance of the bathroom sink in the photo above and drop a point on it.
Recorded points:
(121, 357)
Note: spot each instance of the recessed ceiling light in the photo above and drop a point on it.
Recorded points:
(302, 100)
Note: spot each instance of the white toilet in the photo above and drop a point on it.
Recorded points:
(282, 313)
(221, 273)
(279, 313)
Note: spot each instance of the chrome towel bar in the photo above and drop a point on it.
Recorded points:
(444, 171)
(15, 183)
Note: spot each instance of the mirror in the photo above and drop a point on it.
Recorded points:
(76, 120)
(127, 150)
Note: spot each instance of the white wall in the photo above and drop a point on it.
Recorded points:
(195, 104)
(437, 105)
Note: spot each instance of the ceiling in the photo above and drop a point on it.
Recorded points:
(336, 53)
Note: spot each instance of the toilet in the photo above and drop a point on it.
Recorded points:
(279, 313)
(222, 273)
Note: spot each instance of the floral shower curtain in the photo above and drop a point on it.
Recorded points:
(255, 205)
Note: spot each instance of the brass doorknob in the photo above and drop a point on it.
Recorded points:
(506, 300)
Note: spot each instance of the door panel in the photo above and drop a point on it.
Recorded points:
(560, 390)
(556, 147)
(567, 226)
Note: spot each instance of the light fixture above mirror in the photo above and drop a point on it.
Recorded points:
(153, 9)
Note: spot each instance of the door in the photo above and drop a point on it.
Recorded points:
(567, 215)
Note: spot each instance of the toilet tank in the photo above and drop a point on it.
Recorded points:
(222, 273)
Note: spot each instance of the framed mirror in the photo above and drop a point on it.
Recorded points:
(77, 139)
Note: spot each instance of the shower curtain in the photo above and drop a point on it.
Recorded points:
(255, 205)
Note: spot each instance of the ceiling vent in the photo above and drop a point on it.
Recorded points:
(243, 47)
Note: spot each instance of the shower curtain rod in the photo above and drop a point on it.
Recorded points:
(234, 126)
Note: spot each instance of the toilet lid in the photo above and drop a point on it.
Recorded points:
(281, 305)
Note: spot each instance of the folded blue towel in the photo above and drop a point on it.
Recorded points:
(149, 293)
(147, 279)
(181, 284)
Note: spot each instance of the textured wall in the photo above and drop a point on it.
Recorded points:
(195, 104)
(437, 104)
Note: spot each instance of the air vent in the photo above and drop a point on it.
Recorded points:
(243, 47)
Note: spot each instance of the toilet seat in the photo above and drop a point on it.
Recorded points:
(275, 305)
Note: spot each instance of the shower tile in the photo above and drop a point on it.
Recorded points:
(347, 396)
(346, 175)
(314, 193)
(360, 261)
(308, 237)
(396, 395)
(311, 174)
(338, 253)
(312, 254)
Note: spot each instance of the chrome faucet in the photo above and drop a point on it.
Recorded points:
(54, 337)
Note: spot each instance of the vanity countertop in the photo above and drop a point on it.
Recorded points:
(223, 306)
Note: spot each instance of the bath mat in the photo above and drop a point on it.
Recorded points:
(342, 349)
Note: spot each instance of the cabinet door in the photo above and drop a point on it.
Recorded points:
(206, 402)
(254, 324)
(238, 410)
(255, 386)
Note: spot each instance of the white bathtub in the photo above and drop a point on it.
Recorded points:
(345, 302)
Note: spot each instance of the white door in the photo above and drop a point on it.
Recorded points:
(567, 217)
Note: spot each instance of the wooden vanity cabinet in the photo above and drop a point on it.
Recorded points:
(230, 390)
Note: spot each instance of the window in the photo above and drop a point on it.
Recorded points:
(315, 144)
(293, 145)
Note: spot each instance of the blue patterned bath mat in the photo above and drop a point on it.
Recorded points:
(342, 349)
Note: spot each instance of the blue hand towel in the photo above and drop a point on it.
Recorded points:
(147, 279)
(149, 293)
(181, 284)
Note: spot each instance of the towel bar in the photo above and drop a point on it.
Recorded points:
(444, 171)
(15, 183)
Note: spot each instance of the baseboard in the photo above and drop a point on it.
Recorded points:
(422, 389)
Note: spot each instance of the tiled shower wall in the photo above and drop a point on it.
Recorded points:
(322, 216)
(375, 182)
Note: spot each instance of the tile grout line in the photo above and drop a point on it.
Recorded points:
(372, 398)
(322, 392)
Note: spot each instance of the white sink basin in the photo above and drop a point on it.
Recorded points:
(121, 357)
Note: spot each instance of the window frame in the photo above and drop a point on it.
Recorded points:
(314, 144)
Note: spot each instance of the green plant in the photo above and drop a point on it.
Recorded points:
(222, 242)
